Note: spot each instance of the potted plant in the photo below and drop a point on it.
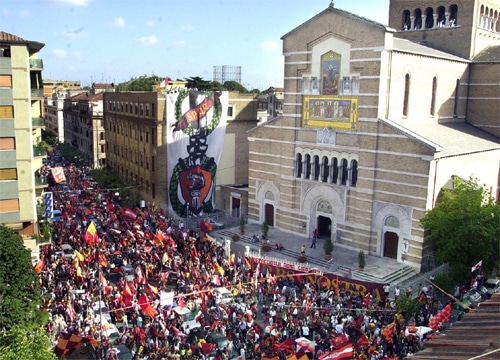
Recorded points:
(361, 260)
(328, 247)
(242, 224)
(302, 258)
(236, 237)
(266, 248)
(265, 228)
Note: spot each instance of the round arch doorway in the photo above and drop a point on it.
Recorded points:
(324, 227)
(391, 240)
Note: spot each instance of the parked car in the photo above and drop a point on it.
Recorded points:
(492, 286)
(68, 251)
(215, 224)
(217, 338)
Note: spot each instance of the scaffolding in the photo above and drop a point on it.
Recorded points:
(223, 73)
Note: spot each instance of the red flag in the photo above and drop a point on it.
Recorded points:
(67, 343)
(127, 295)
(362, 342)
(441, 317)
(104, 283)
(389, 330)
(58, 174)
(477, 266)
(151, 290)
(139, 275)
(40, 265)
(342, 353)
(178, 333)
(131, 214)
(339, 341)
(194, 252)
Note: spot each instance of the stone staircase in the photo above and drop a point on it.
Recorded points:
(402, 274)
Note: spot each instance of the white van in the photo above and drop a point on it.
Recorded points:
(226, 295)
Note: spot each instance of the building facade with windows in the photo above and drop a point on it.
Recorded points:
(54, 117)
(21, 122)
(376, 121)
(83, 117)
(136, 142)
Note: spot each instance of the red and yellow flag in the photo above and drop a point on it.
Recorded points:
(91, 236)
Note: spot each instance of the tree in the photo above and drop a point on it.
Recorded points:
(22, 343)
(407, 305)
(464, 228)
(20, 300)
(198, 83)
(235, 86)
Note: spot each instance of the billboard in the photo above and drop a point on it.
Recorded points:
(196, 127)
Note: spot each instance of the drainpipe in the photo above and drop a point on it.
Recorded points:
(435, 179)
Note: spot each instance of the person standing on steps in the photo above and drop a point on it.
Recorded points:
(303, 250)
(313, 243)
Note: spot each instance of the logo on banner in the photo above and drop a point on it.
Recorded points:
(49, 205)
(193, 179)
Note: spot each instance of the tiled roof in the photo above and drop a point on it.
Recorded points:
(412, 47)
(490, 54)
(33, 46)
(10, 37)
(477, 335)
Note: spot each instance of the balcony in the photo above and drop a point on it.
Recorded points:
(39, 151)
(41, 181)
(36, 64)
(36, 94)
(37, 122)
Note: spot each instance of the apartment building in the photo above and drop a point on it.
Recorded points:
(136, 142)
(83, 117)
(21, 122)
(376, 121)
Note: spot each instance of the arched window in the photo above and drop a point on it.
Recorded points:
(433, 96)
(326, 170)
(406, 20)
(429, 18)
(406, 98)
(316, 167)
(345, 171)
(457, 97)
(298, 165)
(308, 166)
(354, 173)
(335, 174)
(418, 19)
(453, 15)
(441, 20)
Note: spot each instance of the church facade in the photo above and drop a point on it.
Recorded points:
(377, 120)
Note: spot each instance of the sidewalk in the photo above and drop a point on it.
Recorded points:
(344, 261)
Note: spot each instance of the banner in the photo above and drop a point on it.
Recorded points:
(326, 281)
(196, 126)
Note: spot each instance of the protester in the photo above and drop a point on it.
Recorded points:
(270, 314)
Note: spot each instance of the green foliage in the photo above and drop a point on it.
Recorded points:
(142, 83)
(361, 259)
(328, 246)
(407, 305)
(198, 83)
(465, 228)
(72, 154)
(20, 299)
(235, 86)
(22, 343)
(265, 228)
(444, 282)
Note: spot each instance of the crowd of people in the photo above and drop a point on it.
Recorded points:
(265, 320)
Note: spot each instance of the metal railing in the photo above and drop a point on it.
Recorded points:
(36, 63)
(38, 122)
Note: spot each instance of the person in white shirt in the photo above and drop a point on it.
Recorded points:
(305, 331)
